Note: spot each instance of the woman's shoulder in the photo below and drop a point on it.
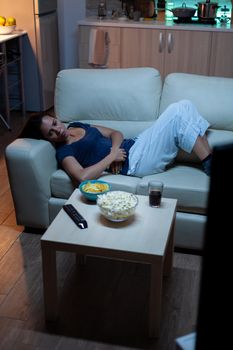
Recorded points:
(77, 124)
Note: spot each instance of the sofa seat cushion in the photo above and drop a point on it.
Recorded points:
(62, 186)
(122, 182)
(188, 184)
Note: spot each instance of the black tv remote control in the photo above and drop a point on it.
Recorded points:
(75, 215)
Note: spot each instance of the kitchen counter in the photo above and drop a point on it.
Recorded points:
(162, 22)
(11, 48)
(14, 34)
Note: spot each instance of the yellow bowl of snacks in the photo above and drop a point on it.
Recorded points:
(92, 188)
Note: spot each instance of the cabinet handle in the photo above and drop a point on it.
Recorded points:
(160, 42)
(169, 42)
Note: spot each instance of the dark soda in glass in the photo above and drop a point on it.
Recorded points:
(155, 198)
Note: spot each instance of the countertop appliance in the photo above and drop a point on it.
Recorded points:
(40, 48)
(207, 10)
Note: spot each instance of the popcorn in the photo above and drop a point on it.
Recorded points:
(117, 205)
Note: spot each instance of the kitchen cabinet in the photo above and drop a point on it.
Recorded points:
(114, 46)
(11, 77)
(207, 51)
(167, 50)
(221, 63)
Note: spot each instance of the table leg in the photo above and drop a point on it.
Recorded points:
(50, 282)
(168, 262)
(5, 122)
(155, 306)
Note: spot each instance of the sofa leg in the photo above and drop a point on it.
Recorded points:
(81, 259)
(28, 229)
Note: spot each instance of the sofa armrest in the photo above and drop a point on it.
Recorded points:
(30, 164)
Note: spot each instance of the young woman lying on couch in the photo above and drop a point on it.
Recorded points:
(85, 151)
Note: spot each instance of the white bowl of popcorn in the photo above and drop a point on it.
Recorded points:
(117, 205)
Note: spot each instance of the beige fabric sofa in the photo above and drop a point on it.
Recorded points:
(128, 100)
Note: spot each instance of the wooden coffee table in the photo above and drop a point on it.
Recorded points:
(147, 237)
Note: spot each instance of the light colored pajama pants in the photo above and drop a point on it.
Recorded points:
(177, 127)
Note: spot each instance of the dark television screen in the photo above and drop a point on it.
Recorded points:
(214, 325)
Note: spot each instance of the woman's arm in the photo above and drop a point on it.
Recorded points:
(117, 138)
(79, 174)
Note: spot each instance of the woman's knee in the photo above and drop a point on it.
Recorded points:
(180, 110)
(187, 104)
(181, 106)
(188, 110)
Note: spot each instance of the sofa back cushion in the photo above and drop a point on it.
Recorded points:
(131, 94)
(213, 96)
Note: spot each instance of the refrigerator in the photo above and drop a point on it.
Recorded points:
(40, 48)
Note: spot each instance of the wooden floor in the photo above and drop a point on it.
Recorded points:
(103, 304)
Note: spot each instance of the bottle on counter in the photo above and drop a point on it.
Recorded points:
(231, 11)
(151, 10)
(124, 10)
(147, 8)
(131, 12)
(102, 10)
(161, 4)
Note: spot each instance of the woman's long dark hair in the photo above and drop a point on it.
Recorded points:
(32, 128)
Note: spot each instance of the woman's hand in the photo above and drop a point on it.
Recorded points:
(119, 154)
(116, 167)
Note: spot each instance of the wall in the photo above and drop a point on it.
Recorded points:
(69, 13)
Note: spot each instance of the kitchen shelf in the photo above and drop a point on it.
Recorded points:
(11, 77)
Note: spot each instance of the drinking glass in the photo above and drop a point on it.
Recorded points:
(155, 189)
